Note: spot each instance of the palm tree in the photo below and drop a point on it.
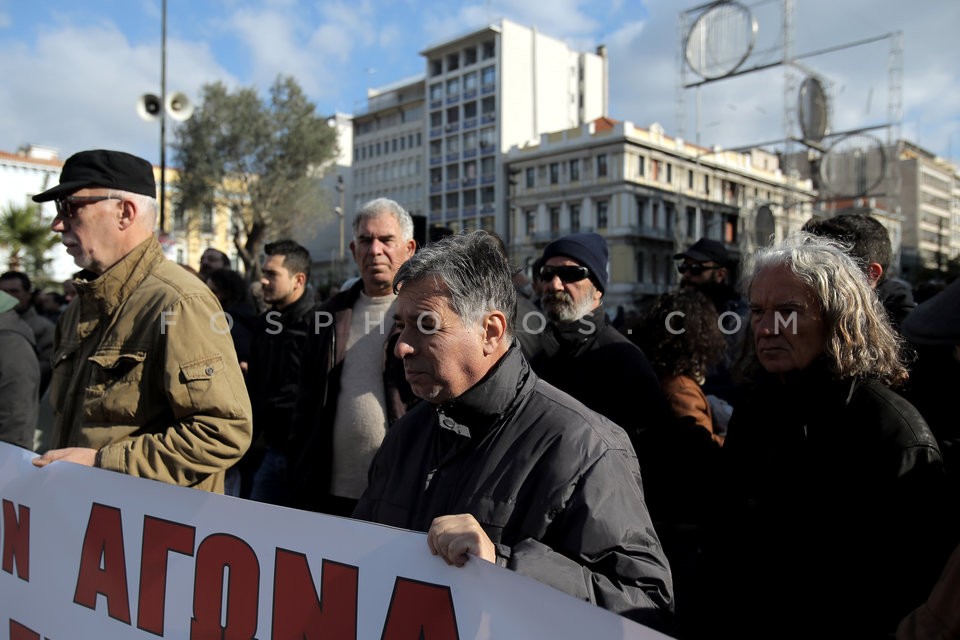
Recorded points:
(22, 230)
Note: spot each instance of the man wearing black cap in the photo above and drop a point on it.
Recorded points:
(580, 353)
(705, 267)
(145, 380)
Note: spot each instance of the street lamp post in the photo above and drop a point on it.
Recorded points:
(341, 214)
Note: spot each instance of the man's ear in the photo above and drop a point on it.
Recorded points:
(494, 326)
(128, 213)
(874, 273)
(301, 279)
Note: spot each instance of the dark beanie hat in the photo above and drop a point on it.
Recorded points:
(588, 249)
(103, 168)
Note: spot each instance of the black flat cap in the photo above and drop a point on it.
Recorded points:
(103, 168)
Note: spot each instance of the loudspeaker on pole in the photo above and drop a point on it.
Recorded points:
(179, 106)
(149, 106)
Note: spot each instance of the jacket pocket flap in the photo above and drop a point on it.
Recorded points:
(113, 359)
(201, 369)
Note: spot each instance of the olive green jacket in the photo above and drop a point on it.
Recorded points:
(145, 372)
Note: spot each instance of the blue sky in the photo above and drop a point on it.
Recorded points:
(74, 69)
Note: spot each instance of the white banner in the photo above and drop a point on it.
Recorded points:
(87, 553)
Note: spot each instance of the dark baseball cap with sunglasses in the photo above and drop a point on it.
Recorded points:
(102, 168)
(705, 250)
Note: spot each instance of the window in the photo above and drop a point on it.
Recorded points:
(453, 200)
(470, 169)
(453, 87)
(206, 221)
(436, 119)
(575, 170)
(691, 222)
(453, 115)
(531, 220)
(470, 198)
(601, 165)
(554, 172)
(453, 172)
(689, 178)
(436, 204)
(436, 148)
(488, 106)
(436, 67)
(554, 220)
(602, 207)
(453, 145)
(470, 140)
(486, 195)
(470, 81)
(488, 76)
(531, 177)
(453, 62)
(436, 175)
(470, 110)
(487, 166)
(574, 217)
(706, 184)
(488, 50)
(488, 138)
(436, 91)
(669, 173)
(470, 55)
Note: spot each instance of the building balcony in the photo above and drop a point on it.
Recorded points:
(436, 132)
(487, 88)
(452, 157)
(436, 160)
(488, 209)
(453, 99)
(452, 127)
(470, 211)
(469, 182)
(469, 123)
(469, 93)
(487, 118)
(470, 153)
(488, 178)
(453, 185)
(436, 104)
(486, 148)
(436, 187)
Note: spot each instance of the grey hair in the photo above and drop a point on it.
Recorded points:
(145, 204)
(379, 206)
(474, 270)
(861, 342)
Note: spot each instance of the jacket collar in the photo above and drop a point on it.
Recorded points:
(576, 335)
(482, 406)
(109, 291)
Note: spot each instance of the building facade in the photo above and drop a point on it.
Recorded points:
(650, 196)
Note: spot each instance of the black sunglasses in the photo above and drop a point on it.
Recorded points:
(68, 207)
(694, 269)
(567, 273)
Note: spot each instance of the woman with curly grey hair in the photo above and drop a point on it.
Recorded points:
(831, 501)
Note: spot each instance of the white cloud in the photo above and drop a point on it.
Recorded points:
(72, 96)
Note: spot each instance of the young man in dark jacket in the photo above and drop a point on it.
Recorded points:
(276, 355)
(498, 465)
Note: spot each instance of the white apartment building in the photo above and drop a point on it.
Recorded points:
(388, 147)
(435, 143)
(31, 170)
(491, 89)
(930, 209)
(650, 196)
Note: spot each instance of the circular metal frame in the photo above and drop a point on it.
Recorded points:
(854, 165)
(720, 40)
(812, 107)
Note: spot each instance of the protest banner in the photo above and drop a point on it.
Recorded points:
(88, 553)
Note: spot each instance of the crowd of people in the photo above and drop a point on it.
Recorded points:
(771, 460)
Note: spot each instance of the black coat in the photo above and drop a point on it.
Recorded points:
(273, 377)
(601, 368)
(829, 511)
(554, 485)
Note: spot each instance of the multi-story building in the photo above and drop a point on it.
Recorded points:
(912, 192)
(930, 210)
(650, 195)
(487, 91)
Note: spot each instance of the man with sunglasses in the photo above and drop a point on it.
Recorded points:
(145, 376)
(705, 266)
(579, 351)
